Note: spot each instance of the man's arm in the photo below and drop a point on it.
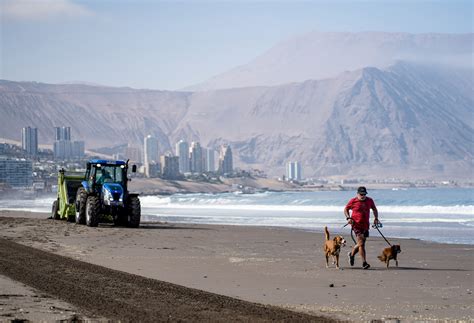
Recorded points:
(346, 212)
(376, 213)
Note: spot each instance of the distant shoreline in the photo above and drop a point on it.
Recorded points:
(161, 187)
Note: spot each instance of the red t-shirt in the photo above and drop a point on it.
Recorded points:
(361, 211)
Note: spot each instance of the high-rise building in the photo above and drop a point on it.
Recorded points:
(182, 151)
(195, 158)
(64, 148)
(169, 166)
(225, 160)
(78, 148)
(150, 150)
(62, 133)
(294, 171)
(210, 165)
(18, 173)
(29, 140)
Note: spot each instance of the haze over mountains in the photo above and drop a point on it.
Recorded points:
(319, 55)
(383, 117)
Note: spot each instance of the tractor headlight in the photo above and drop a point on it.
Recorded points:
(108, 196)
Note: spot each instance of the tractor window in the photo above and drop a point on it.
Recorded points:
(109, 174)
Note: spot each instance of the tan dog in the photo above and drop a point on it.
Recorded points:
(390, 253)
(333, 248)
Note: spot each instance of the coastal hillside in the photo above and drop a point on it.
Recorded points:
(102, 116)
(319, 55)
(406, 120)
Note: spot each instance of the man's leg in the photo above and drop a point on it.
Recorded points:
(353, 252)
(361, 244)
(361, 247)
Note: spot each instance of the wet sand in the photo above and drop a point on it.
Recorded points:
(275, 266)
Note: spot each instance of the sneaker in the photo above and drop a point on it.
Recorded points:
(350, 258)
(365, 265)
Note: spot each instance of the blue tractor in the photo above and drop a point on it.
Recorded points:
(104, 194)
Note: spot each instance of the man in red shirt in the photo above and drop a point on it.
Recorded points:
(360, 221)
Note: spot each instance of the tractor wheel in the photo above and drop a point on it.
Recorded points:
(92, 211)
(55, 210)
(134, 212)
(81, 198)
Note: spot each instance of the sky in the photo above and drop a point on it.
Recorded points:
(169, 45)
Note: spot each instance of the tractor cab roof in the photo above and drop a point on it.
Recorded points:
(106, 162)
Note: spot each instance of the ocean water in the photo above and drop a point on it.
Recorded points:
(439, 215)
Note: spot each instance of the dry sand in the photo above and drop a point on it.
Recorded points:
(21, 302)
(275, 266)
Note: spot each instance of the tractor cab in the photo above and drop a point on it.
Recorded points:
(100, 172)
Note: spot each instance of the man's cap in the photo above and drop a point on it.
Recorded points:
(362, 190)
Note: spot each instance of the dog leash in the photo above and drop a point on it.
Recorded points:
(373, 226)
(352, 235)
(377, 227)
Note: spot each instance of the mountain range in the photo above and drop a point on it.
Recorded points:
(397, 118)
(319, 55)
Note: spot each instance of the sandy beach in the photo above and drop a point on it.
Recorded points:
(272, 266)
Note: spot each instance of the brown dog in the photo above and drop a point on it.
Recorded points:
(390, 253)
(333, 248)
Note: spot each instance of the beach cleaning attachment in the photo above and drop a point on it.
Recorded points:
(64, 205)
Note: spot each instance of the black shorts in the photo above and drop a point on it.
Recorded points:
(360, 232)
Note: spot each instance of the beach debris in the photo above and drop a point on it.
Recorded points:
(331, 285)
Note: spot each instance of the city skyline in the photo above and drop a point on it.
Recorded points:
(186, 159)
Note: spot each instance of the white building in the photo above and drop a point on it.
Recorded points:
(151, 150)
(294, 171)
(182, 151)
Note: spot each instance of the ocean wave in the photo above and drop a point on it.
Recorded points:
(227, 204)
